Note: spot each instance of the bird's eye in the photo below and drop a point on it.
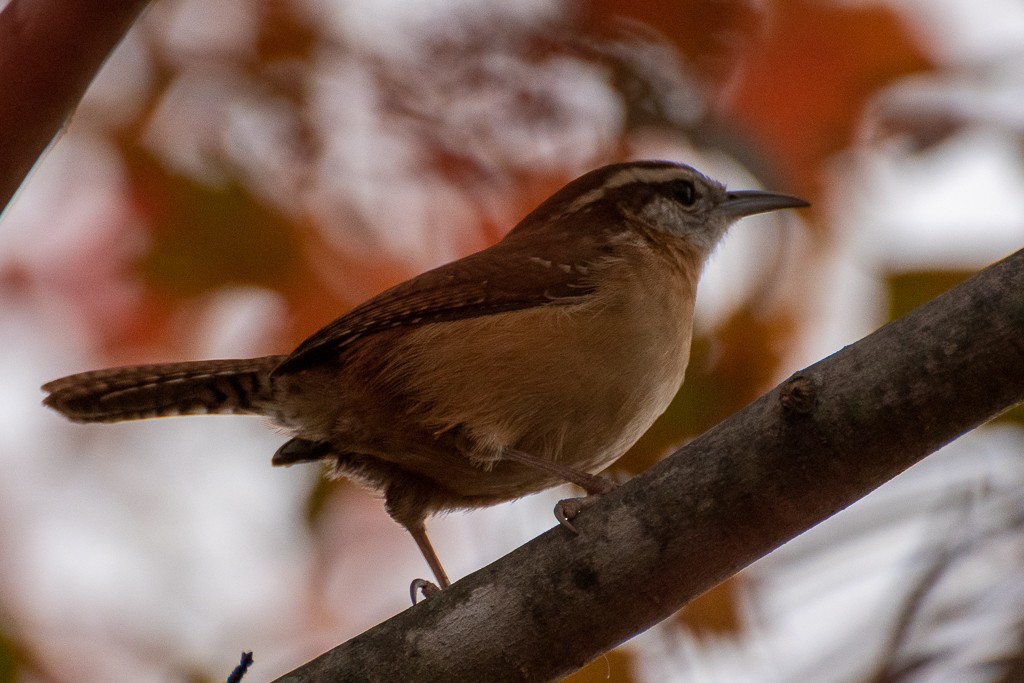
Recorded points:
(683, 192)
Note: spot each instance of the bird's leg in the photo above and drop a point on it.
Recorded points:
(407, 500)
(422, 586)
(591, 483)
(565, 510)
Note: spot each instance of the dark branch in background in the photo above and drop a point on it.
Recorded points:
(50, 50)
(894, 665)
(243, 667)
(824, 438)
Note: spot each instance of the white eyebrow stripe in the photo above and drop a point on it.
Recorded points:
(626, 176)
(661, 174)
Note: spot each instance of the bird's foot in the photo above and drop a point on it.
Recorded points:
(422, 587)
(566, 510)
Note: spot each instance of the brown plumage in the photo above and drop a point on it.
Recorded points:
(539, 360)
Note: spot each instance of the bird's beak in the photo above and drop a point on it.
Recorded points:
(748, 202)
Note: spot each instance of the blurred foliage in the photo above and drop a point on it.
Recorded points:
(909, 289)
(800, 120)
(206, 236)
(712, 36)
(956, 611)
(716, 612)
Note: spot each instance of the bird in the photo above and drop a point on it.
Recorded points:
(537, 361)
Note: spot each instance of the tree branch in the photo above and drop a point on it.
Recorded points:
(50, 50)
(822, 439)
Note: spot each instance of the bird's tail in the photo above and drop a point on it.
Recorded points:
(193, 388)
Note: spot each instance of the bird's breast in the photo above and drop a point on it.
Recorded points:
(577, 383)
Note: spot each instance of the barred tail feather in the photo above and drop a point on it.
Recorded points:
(194, 388)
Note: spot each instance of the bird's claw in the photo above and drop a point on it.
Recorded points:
(566, 510)
(422, 587)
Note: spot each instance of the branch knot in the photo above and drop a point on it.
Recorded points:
(798, 396)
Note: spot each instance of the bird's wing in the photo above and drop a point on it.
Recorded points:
(501, 278)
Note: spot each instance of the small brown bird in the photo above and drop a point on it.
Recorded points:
(536, 361)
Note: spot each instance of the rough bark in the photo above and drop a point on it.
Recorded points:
(827, 436)
(50, 50)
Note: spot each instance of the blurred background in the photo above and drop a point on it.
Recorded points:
(243, 171)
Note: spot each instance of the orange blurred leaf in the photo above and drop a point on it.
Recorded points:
(806, 83)
(713, 613)
(908, 290)
(284, 33)
(612, 667)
